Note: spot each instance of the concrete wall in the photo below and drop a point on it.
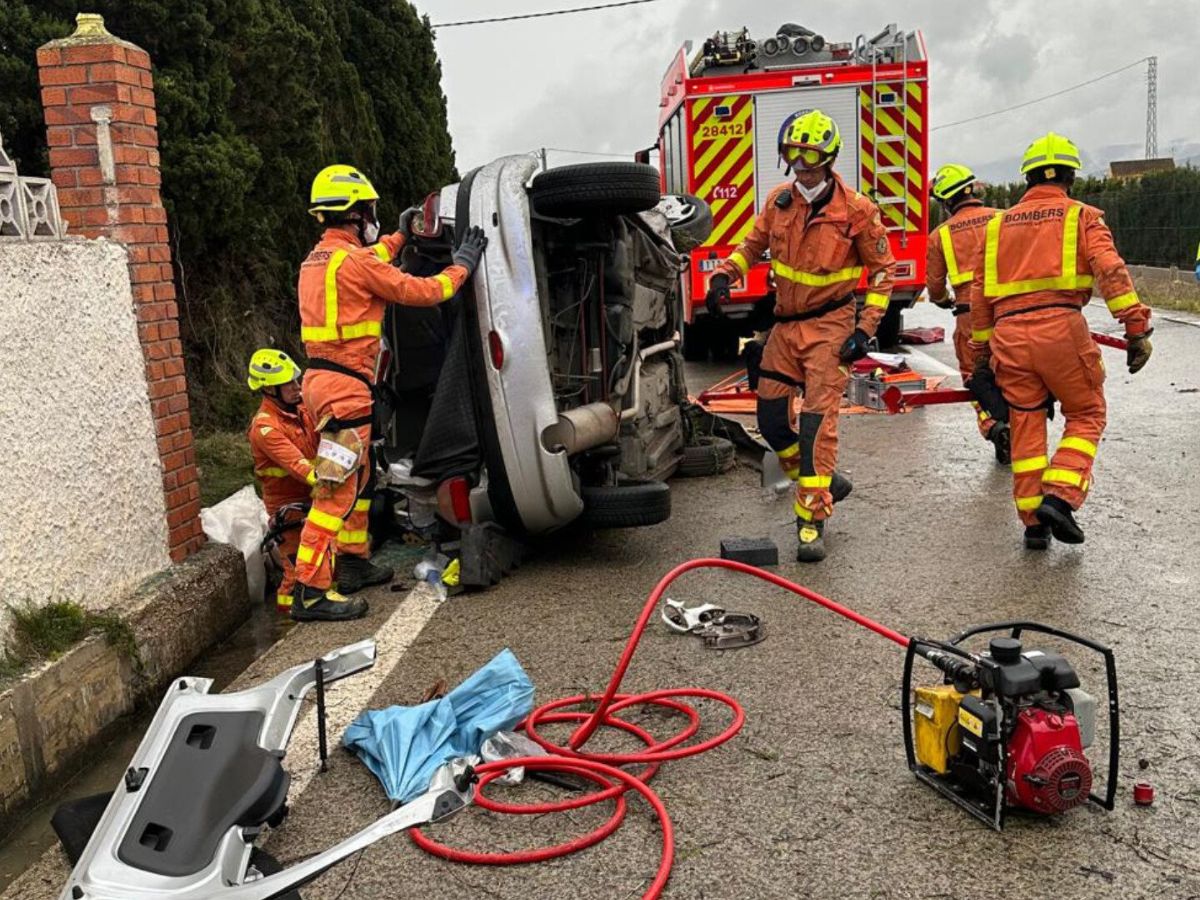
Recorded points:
(1173, 287)
(84, 515)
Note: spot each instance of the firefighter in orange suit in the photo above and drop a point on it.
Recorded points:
(955, 252)
(345, 285)
(1042, 259)
(822, 236)
(283, 441)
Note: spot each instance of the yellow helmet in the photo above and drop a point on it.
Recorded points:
(809, 136)
(271, 368)
(950, 179)
(1051, 150)
(337, 188)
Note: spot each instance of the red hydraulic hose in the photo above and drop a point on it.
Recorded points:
(601, 768)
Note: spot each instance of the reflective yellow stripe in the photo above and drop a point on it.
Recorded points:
(382, 252)
(271, 472)
(284, 601)
(1025, 504)
(740, 261)
(311, 477)
(361, 329)
(1083, 445)
(329, 331)
(323, 520)
(1116, 304)
(789, 452)
(812, 279)
(362, 505)
(1032, 464)
(1069, 280)
(802, 513)
(880, 300)
(306, 554)
(814, 481)
(956, 277)
(982, 337)
(352, 537)
(1062, 476)
(447, 285)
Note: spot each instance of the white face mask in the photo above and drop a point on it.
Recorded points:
(370, 233)
(812, 193)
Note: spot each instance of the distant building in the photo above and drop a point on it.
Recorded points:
(1136, 168)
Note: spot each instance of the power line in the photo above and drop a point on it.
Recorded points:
(588, 152)
(542, 15)
(1065, 90)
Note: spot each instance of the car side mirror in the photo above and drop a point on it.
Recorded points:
(427, 223)
(642, 156)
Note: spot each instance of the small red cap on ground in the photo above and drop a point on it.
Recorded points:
(1143, 793)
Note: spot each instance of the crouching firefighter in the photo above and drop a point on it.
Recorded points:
(345, 285)
(1042, 259)
(283, 441)
(955, 252)
(822, 236)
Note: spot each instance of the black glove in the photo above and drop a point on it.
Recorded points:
(982, 384)
(856, 347)
(406, 217)
(1137, 354)
(718, 292)
(471, 249)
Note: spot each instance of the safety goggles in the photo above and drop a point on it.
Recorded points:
(804, 157)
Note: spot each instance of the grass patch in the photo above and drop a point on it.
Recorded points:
(224, 463)
(1167, 301)
(43, 633)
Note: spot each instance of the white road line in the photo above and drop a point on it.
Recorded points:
(349, 697)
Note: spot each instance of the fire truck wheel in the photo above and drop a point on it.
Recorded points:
(632, 504)
(593, 190)
(695, 341)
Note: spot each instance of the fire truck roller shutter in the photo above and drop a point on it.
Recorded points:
(771, 108)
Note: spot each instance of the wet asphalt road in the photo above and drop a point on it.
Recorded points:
(812, 798)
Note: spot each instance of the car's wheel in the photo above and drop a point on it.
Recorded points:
(708, 456)
(268, 865)
(690, 219)
(596, 189)
(631, 504)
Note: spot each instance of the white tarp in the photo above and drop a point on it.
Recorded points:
(241, 520)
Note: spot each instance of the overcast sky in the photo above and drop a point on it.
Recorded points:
(590, 81)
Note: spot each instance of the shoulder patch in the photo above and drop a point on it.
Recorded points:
(265, 430)
(783, 199)
(881, 245)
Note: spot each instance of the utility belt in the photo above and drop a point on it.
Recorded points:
(1033, 309)
(822, 310)
(334, 423)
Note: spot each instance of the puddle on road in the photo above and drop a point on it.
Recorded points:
(107, 765)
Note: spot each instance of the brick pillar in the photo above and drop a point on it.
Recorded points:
(102, 131)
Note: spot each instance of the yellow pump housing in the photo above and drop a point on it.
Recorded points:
(935, 725)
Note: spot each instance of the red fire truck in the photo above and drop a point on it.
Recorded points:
(720, 113)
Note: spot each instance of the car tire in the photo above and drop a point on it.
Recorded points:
(695, 341)
(694, 230)
(632, 504)
(708, 456)
(592, 190)
(269, 865)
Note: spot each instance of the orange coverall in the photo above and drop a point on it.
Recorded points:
(283, 445)
(955, 252)
(344, 290)
(815, 261)
(1042, 259)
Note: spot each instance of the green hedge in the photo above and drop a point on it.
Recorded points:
(254, 96)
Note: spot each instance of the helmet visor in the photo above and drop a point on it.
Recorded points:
(804, 157)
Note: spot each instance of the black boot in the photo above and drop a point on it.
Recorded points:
(1001, 438)
(840, 487)
(353, 573)
(1060, 519)
(812, 541)
(1037, 537)
(315, 605)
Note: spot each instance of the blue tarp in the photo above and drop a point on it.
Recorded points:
(405, 745)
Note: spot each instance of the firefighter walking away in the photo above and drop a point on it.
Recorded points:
(822, 236)
(1042, 259)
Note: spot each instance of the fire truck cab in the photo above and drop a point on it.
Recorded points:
(720, 112)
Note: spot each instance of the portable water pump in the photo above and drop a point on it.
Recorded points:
(1006, 728)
